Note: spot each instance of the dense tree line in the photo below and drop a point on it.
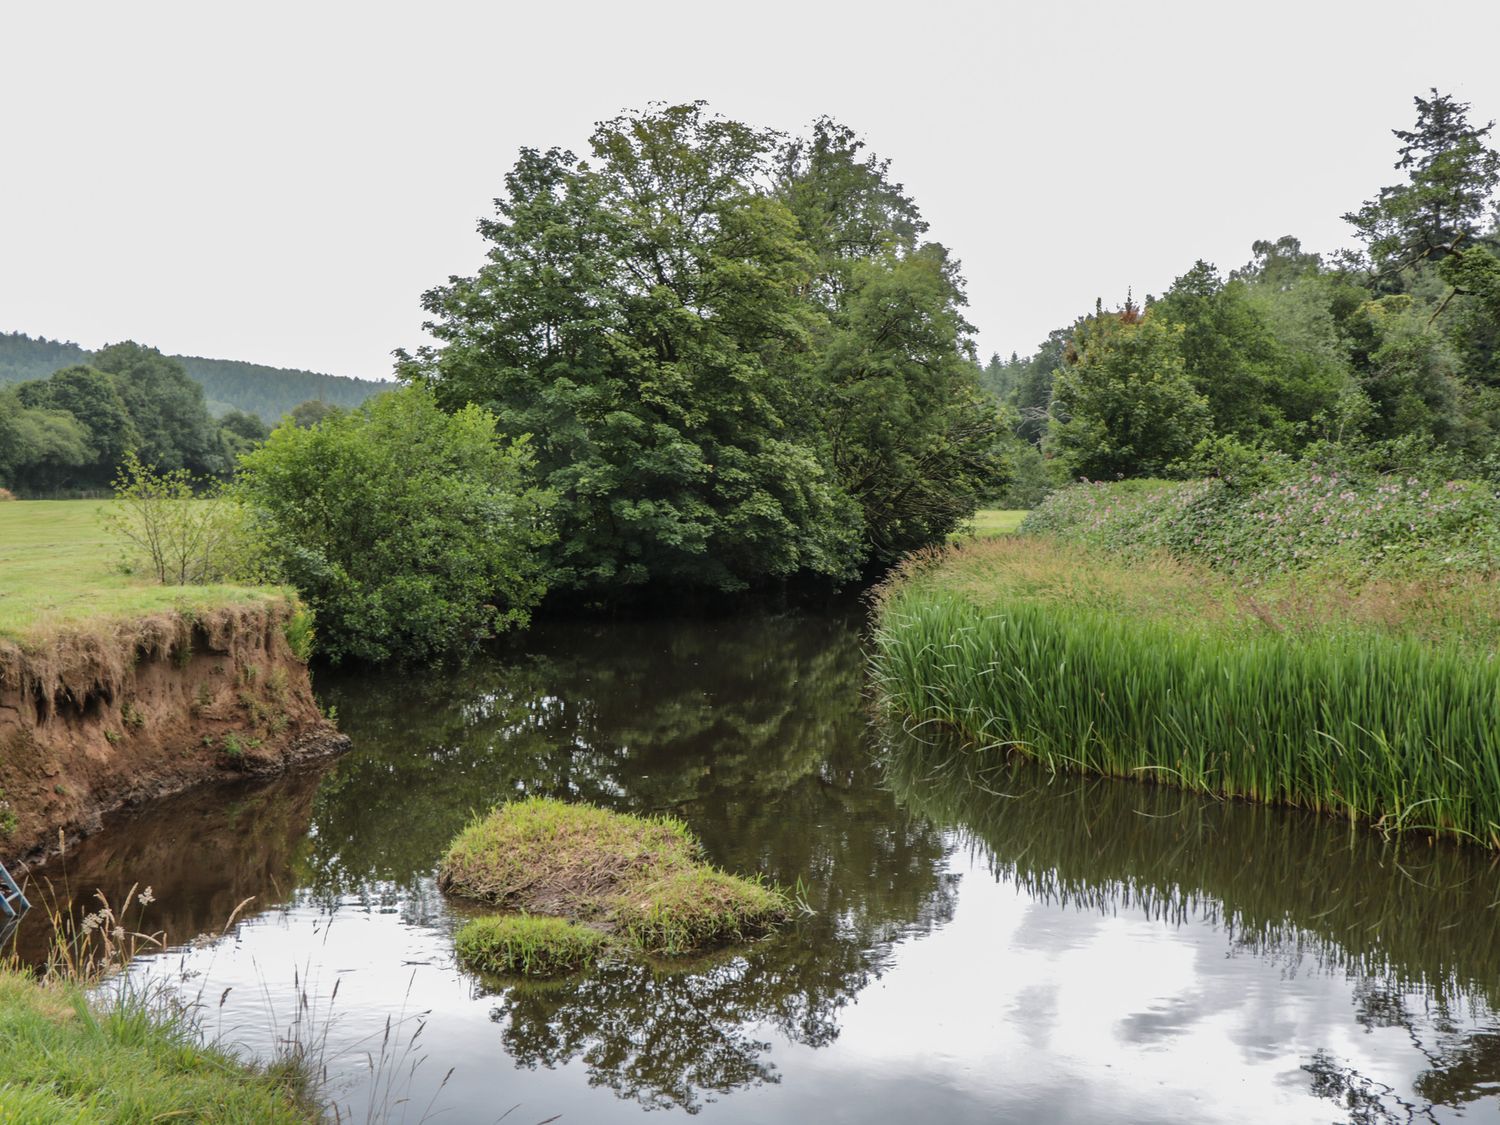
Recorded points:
(228, 384)
(1390, 352)
(738, 356)
(70, 431)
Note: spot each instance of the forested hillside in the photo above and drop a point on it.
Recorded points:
(273, 391)
(228, 384)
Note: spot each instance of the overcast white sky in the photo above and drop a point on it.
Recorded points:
(279, 182)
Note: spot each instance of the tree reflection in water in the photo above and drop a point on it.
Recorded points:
(752, 730)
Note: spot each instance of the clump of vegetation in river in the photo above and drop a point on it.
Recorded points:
(528, 945)
(409, 531)
(641, 880)
(1376, 701)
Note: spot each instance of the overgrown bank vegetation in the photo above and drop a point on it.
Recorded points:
(1374, 699)
(71, 1058)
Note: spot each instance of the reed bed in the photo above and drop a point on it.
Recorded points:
(1164, 672)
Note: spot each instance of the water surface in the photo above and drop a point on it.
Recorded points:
(982, 943)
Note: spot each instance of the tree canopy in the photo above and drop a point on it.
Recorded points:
(1389, 352)
(738, 361)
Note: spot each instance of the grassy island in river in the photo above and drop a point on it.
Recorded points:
(641, 881)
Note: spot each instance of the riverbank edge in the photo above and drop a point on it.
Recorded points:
(71, 1055)
(1313, 719)
(95, 719)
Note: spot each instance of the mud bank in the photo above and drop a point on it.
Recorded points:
(94, 721)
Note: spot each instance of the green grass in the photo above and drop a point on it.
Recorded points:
(1334, 700)
(642, 880)
(59, 568)
(132, 1059)
(989, 522)
(528, 945)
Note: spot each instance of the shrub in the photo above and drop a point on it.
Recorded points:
(6, 494)
(410, 532)
(186, 532)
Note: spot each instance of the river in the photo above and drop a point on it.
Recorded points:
(981, 942)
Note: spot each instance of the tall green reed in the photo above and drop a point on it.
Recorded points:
(1342, 718)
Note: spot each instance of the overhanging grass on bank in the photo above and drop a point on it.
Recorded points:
(64, 1059)
(59, 568)
(1340, 701)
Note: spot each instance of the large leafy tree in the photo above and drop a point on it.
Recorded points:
(663, 317)
(1123, 405)
(94, 400)
(40, 449)
(914, 441)
(167, 407)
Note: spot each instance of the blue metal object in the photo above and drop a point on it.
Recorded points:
(13, 900)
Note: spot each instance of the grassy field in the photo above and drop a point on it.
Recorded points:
(989, 522)
(1305, 693)
(66, 1059)
(60, 567)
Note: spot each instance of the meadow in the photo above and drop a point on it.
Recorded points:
(61, 568)
(989, 522)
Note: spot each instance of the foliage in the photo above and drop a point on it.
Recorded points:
(1123, 405)
(1164, 672)
(643, 878)
(738, 364)
(167, 408)
(410, 532)
(1344, 521)
(228, 384)
(310, 413)
(1451, 174)
(527, 945)
(37, 444)
(1294, 351)
(186, 539)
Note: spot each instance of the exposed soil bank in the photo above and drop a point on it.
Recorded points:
(94, 721)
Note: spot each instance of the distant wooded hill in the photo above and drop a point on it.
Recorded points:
(228, 384)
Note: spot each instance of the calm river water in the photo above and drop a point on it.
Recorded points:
(983, 944)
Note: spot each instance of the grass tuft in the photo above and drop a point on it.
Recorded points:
(528, 945)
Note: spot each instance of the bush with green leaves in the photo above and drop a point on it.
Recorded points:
(409, 531)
